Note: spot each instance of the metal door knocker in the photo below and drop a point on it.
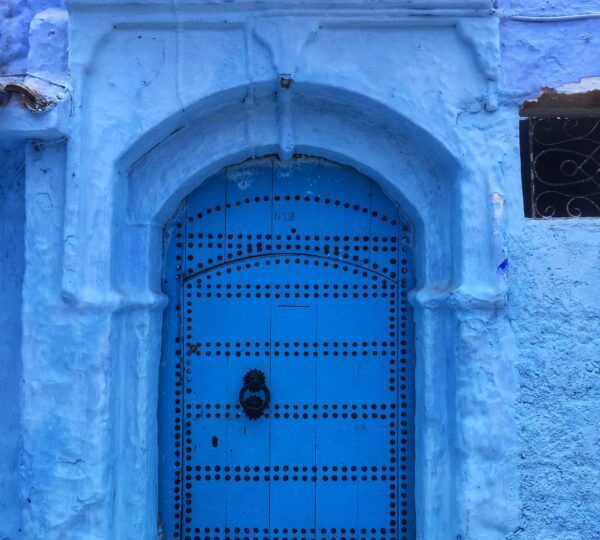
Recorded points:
(253, 404)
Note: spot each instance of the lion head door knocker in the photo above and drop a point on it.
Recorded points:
(254, 395)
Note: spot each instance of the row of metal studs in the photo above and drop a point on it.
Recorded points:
(295, 198)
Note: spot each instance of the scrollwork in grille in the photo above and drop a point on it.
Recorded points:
(561, 166)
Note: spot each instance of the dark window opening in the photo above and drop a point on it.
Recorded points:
(560, 166)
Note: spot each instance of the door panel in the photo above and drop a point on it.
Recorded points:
(299, 270)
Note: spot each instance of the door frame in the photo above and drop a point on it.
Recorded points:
(132, 138)
(460, 333)
(104, 329)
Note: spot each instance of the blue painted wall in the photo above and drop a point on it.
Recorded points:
(553, 274)
(16, 16)
(15, 20)
(553, 287)
(12, 221)
(547, 54)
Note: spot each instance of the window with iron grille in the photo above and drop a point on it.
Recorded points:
(560, 162)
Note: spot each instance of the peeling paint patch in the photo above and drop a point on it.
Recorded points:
(575, 98)
(242, 179)
(587, 84)
(498, 203)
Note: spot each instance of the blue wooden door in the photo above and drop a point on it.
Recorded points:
(300, 271)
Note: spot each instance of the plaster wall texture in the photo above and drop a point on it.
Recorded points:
(547, 54)
(16, 17)
(528, 389)
(553, 295)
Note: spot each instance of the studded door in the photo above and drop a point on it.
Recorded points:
(300, 271)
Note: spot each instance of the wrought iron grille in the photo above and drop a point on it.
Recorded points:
(560, 161)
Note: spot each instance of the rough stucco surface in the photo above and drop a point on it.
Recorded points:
(537, 55)
(552, 275)
(554, 297)
(554, 311)
(15, 17)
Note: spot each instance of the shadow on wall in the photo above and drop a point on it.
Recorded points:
(12, 221)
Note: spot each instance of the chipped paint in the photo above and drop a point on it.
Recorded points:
(498, 204)
(586, 84)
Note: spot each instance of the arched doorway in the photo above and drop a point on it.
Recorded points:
(299, 271)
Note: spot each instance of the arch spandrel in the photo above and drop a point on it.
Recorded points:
(414, 169)
(333, 117)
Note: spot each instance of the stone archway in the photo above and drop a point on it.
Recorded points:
(423, 180)
(114, 308)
